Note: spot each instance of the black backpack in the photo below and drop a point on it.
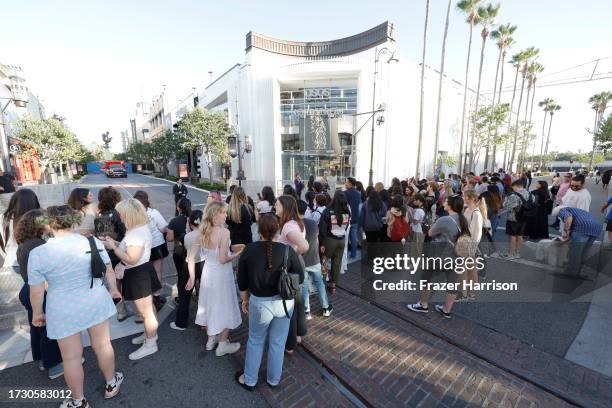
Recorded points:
(288, 283)
(527, 209)
(98, 268)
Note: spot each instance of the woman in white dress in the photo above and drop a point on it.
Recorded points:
(217, 301)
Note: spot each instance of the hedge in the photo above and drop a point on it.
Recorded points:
(207, 186)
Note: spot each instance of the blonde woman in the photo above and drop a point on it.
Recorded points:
(217, 301)
(476, 215)
(240, 218)
(139, 277)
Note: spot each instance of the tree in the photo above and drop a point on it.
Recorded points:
(599, 103)
(552, 108)
(486, 126)
(516, 61)
(422, 99)
(528, 55)
(534, 69)
(468, 7)
(603, 135)
(43, 141)
(167, 147)
(203, 128)
(438, 116)
(503, 37)
(486, 18)
(545, 105)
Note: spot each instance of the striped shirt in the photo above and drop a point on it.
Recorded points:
(582, 221)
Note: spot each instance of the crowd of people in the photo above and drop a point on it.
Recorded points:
(84, 262)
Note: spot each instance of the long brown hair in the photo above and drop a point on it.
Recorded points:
(239, 199)
(268, 227)
(290, 211)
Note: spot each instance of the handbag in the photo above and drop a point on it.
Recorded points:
(288, 283)
(98, 268)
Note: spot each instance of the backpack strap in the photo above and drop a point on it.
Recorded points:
(285, 259)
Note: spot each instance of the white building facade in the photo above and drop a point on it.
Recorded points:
(307, 108)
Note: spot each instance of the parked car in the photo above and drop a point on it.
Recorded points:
(116, 170)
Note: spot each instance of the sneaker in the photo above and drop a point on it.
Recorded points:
(138, 319)
(139, 340)
(515, 256)
(327, 312)
(440, 308)
(417, 307)
(308, 316)
(175, 327)
(112, 389)
(148, 347)
(225, 347)
(70, 403)
(461, 298)
(211, 343)
(56, 371)
(41, 365)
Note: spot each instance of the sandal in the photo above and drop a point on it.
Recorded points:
(243, 385)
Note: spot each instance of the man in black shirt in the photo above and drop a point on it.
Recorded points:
(179, 190)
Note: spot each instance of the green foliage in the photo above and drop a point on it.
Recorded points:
(603, 135)
(211, 187)
(47, 141)
(487, 122)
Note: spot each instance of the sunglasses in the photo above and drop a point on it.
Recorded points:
(575, 186)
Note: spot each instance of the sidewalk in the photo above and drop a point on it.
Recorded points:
(516, 367)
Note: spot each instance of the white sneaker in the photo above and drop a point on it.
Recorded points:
(148, 347)
(175, 327)
(112, 389)
(69, 403)
(139, 340)
(226, 347)
(211, 343)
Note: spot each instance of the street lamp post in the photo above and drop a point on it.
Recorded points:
(377, 54)
(236, 150)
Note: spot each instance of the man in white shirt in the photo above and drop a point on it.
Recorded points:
(577, 196)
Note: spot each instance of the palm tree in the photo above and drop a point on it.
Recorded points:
(528, 55)
(534, 69)
(468, 7)
(516, 61)
(435, 160)
(552, 108)
(486, 18)
(599, 104)
(503, 37)
(545, 104)
(418, 160)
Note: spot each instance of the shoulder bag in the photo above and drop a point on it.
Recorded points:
(98, 268)
(288, 283)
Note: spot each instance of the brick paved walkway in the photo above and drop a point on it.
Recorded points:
(521, 364)
(392, 363)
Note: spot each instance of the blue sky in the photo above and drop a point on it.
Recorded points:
(91, 61)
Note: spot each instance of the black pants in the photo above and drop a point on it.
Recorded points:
(297, 327)
(184, 296)
(43, 348)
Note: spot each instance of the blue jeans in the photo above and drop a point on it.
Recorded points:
(353, 240)
(266, 317)
(494, 223)
(579, 247)
(314, 272)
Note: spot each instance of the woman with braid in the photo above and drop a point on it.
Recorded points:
(259, 270)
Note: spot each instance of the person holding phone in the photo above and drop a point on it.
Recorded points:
(265, 202)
